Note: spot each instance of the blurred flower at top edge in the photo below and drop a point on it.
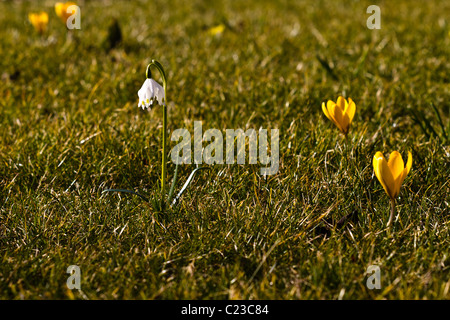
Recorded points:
(61, 10)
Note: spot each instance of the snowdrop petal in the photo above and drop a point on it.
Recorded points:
(150, 91)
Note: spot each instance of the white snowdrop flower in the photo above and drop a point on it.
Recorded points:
(150, 90)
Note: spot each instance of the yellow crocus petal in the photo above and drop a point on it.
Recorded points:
(336, 115)
(330, 108)
(406, 170)
(396, 166)
(345, 123)
(341, 103)
(339, 117)
(377, 158)
(216, 30)
(409, 162)
(39, 21)
(345, 107)
(32, 18)
(350, 110)
(330, 104)
(383, 173)
(59, 7)
(388, 179)
(61, 10)
(43, 17)
(324, 109)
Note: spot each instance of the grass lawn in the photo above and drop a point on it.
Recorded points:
(70, 127)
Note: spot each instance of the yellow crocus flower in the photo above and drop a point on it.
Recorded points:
(340, 113)
(216, 30)
(391, 174)
(61, 10)
(39, 21)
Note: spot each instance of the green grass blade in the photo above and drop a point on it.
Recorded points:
(440, 120)
(416, 119)
(186, 184)
(174, 181)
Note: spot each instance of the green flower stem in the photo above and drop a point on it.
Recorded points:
(158, 66)
(164, 155)
(391, 217)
